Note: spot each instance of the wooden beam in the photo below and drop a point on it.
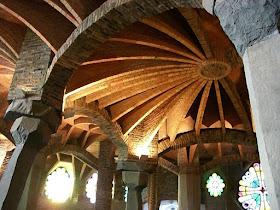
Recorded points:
(220, 106)
(169, 30)
(202, 106)
(195, 22)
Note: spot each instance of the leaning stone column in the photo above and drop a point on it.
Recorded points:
(105, 175)
(252, 27)
(33, 125)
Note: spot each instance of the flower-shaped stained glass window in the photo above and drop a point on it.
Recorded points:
(252, 190)
(215, 185)
(59, 186)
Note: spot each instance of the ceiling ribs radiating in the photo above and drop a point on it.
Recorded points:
(157, 73)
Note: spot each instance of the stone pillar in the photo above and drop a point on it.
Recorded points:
(253, 28)
(105, 175)
(34, 122)
(33, 125)
(152, 196)
(132, 181)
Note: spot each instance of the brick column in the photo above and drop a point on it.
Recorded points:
(34, 122)
(30, 135)
(119, 192)
(152, 196)
(105, 175)
(252, 26)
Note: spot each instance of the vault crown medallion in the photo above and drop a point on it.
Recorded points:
(213, 69)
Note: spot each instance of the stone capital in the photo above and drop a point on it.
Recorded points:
(248, 22)
(25, 128)
(34, 109)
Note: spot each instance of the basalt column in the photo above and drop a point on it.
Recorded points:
(105, 175)
(34, 122)
(253, 28)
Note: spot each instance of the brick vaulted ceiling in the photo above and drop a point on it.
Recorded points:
(165, 75)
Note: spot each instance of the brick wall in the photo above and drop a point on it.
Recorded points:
(31, 67)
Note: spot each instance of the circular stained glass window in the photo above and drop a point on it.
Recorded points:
(252, 190)
(59, 186)
(215, 185)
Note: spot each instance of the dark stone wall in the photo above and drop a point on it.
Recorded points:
(247, 22)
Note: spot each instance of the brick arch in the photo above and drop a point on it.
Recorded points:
(229, 159)
(100, 117)
(110, 18)
(212, 135)
(75, 150)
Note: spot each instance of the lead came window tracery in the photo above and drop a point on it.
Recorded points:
(252, 190)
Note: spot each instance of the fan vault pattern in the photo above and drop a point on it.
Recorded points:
(158, 71)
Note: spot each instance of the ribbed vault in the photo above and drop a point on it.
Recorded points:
(161, 70)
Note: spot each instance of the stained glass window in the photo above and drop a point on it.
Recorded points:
(215, 185)
(91, 188)
(59, 186)
(252, 190)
